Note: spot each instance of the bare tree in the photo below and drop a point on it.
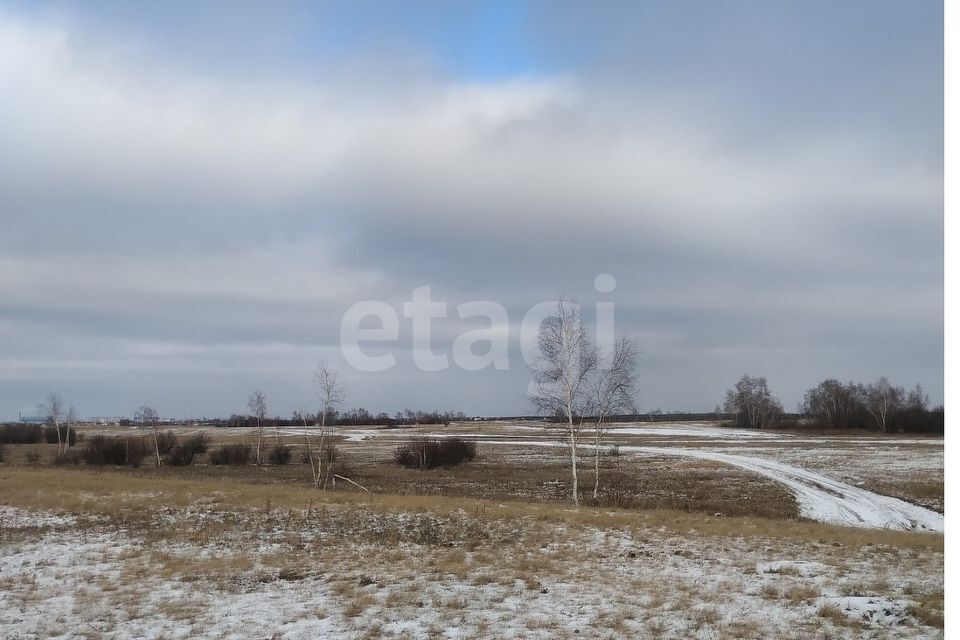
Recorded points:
(149, 417)
(611, 390)
(331, 395)
(881, 399)
(566, 359)
(329, 390)
(917, 398)
(71, 417)
(752, 403)
(257, 404)
(834, 404)
(55, 416)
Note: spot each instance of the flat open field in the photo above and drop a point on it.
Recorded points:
(697, 532)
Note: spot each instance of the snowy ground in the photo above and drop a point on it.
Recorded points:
(854, 481)
(824, 499)
(820, 497)
(347, 571)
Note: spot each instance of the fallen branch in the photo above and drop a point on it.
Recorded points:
(356, 484)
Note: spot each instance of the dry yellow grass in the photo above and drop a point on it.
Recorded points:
(119, 494)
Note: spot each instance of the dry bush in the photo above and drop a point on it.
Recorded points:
(280, 454)
(165, 441)
(235, 454)
(200, 443)
(183, 453)
(617, 492)
(50, 434)
(831, 612)
(71, 456)
(101, 450)
(929, 611)
(801, 593)
(424, 453)
(20, 434)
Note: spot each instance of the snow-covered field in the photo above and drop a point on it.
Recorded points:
(820, 496)
(829, 477)
(202, 571)
(188, 558)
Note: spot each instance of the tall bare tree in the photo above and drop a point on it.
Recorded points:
(833, 404)
(881, 399)
(611, 390)
(752, 404)
(257, 405)
(917, 398)
(331, 395)
(566, 358)
(55, 415)
(148, 416)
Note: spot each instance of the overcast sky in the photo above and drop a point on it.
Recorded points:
(192, 194)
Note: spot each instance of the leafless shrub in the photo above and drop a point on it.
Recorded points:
(231, 454)
(424, 453)
(66, 434)
(21, 434)
(101, 450)
(166, 441)
(280, 454)
(200, 443)
(183, 453)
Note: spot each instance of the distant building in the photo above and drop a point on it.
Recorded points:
(32, 416)
(106, 420)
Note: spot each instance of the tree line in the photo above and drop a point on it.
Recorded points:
(875, 406)
(349, 418)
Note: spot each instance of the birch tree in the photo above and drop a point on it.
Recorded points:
(257, 405)
(148, 416)
(566, 359)
(752, 404)
(55, 416)
(918, 399)
(611, 391)
(330, 394)
(833, 404)
(881, 399)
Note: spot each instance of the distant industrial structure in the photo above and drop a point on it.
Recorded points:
(33, 415)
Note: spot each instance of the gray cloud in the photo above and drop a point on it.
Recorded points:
(211, 227)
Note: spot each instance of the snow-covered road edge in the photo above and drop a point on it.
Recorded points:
(821, 498)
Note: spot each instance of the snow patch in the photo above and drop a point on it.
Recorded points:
(878, 610)
(802, 568)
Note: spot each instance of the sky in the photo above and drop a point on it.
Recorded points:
(192, 195)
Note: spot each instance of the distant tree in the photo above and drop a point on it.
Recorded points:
(881, 399)
(331, 395)
(329, 391)
(718, 414)
(257, 405)
(610, 391)
(566, 358)
(147, 416)
(834, 404)
(56, 414)
(917, 398)
(752, 404)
